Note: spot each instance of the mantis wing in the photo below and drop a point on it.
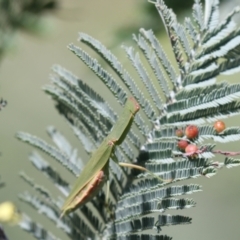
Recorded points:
(94, 165)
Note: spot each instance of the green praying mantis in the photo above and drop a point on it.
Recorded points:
(96, 170)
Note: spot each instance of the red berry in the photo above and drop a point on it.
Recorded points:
(179, 133)
(191, 148)
(219, 126)
(191, 131)
(182, 144)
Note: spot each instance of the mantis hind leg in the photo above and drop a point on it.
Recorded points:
(129, 165)
(107, 205)
(107, 193)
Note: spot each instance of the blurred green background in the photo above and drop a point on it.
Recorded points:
(26, 68)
